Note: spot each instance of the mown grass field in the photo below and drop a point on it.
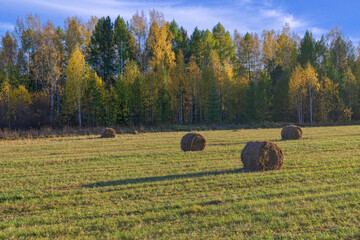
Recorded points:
(144, 187)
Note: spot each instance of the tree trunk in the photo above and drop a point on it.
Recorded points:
(249, 71)
(181, 106)
(94, 115)
(58, 103)
(201, 117)
(323, 103)
(52, 103)
(196, 103)
(299, 108)
(191, 111)
(299, 114)
(79, 107)
(350, 104)
(152, 106)
(311, 100)
(302, 115)
(221, 109)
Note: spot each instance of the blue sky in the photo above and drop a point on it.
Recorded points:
(318, 16)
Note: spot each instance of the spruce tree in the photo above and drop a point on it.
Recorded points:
(102, 51)
(124, 42)
(307, 50)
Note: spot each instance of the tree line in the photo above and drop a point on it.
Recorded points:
(150, 71)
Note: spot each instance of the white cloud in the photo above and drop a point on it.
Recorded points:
(270, 13)
(5, 26)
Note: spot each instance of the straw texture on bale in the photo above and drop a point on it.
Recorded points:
(108, 133)
(262, 156)
(291, 132)
(193, 142)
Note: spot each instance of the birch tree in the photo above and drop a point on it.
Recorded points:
(75, 85)
(298, 91)
(138, 24)
(313, 86)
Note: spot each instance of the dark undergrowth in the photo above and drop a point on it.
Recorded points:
(50, 132)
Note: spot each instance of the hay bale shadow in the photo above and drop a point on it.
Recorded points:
(214, 202)
(162, 178)
(226, 144)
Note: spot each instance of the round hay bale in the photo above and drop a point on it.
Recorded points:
(291, 132)
(262, 156)
(108, 133)
(193, 142)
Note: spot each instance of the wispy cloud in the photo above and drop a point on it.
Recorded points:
(5, 26)
(244, 15)
(355, 41)
(318, 31)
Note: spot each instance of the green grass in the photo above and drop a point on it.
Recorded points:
(144, 187)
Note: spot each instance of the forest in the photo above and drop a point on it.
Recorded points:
(147, 71)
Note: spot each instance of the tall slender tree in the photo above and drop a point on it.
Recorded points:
(223, 42)
(102, 51)
(124, 43)
(138, 24)
(161, 60)
(312, 84)
(75, 85)
(73, 34)
(52, 65)
(307, 50)
(248, 54)
(298, 91)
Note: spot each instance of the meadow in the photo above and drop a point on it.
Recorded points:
(144, 187)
